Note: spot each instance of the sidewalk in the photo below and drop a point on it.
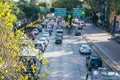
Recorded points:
(109, 50)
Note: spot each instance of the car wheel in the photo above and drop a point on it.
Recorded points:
(89, 69)
(43, 50)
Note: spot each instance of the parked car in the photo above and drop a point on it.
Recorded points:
(85, 49)
(115, 36)
(58, 40)
(39, 45)
(77, 33)
(59, 35)
(31, 36)
(93, 62)
(35, 31)
(33, 60)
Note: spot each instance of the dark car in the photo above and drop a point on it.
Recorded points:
(59, 35)
(77, 33)
(93, 62)
(58, 40)
(31, 36)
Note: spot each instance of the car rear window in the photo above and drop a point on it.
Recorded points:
(38, 45)
(96, 61)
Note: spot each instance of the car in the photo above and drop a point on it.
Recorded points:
(39, 45)
(93, 62)
(35, 31)
(58, 40)
(85, 49)
(46, 33)
(59, 27)
(40, 28)
(48, 30)
(115, 36)
(44, 40)
(46, 36)
(33, 55)
(77, 33)
(31, 36)
(49, 26)
(59, 31)
(59, 35)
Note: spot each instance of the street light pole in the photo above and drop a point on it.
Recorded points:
(106, 15)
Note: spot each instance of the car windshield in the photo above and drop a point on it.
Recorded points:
(58, 38)
(37, 46)
(42, 39)
(45, 35)
(85, 47)
(58, 34)
(96, 61)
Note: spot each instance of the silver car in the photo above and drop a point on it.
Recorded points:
(85, 49)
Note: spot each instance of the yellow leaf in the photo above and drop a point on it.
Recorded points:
(6, 71)
(0, 59)
(1, 4)
(2, 77)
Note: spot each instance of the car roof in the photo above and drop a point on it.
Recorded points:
(94, 57)
(41, 42)
(45, 34)
(42, 38)
(59, 30)
(28, 52)
(59, 34)
(58, 38)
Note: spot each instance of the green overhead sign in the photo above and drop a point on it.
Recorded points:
(60, 12)
(78, 11)
(43, 10)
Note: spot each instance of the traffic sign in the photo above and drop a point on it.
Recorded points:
(43, 10)
(60, 12)
(78, 11)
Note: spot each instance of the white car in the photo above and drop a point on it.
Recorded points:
(44, 40)
(35, 31)
(85, 49)
(40, 45)
(46, 36)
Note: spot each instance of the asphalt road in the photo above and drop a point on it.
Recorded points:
(109, 48)
(66, 63)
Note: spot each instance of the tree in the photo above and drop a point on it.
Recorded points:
(9, 46)
(43, 5)
(30, 10)
(69, 4)
(114, 6)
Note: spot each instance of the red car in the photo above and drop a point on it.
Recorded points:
(31, 36)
